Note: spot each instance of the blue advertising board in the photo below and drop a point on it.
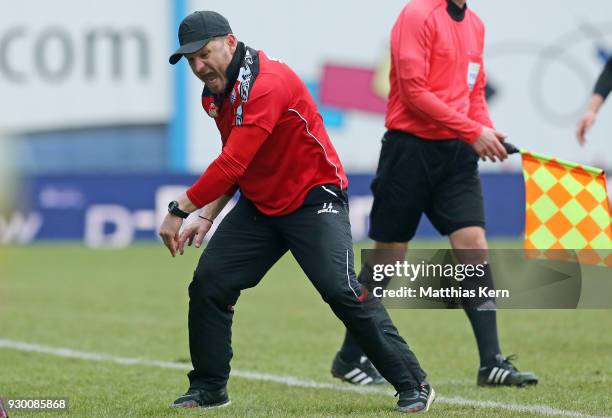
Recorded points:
(116, 210)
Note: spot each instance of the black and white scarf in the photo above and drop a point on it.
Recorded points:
(241, 74)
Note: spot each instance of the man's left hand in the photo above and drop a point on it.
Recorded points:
(169, 232)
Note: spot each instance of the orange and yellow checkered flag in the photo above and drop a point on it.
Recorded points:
(567, 206)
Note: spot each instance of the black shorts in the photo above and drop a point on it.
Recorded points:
(415, 176)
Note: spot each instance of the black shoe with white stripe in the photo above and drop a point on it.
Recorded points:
(205, 399)
(416, 400)
(503, 373)
(357, 373)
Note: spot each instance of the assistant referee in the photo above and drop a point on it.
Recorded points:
(438, 126)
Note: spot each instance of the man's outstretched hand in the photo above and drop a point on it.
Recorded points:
(584, 124)
(169, 232)
(194, 233)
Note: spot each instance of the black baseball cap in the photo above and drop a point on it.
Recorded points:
(196, 30)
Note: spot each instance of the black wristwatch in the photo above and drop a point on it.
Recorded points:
(173, 208)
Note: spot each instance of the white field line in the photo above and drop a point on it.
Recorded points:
(284, 380)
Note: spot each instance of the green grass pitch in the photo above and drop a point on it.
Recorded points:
(133, 303)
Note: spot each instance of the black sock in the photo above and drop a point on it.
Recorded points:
(484, 324)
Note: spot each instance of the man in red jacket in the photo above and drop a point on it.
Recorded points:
(293, 198)
(438, 125)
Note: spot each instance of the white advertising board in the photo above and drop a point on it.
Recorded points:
(66, 63)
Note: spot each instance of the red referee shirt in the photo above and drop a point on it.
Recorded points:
(278, 150)
(437, 75)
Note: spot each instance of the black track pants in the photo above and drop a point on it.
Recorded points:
(245, 246)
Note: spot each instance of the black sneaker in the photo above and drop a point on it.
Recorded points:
(357, 373)
(200, 398)
(503, 373)
(416, 400)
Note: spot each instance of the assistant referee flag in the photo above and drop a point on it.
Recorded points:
(567, 205)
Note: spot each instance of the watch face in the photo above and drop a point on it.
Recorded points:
(174, 209)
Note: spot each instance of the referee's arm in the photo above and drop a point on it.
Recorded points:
(602, 89)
